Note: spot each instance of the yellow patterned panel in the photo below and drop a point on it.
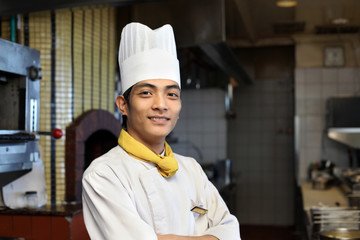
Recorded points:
(78, 61)
(40, 38)
(104, 56)
(87, 58)
(5, 29)
(63, 95)
(112, 59)
(96, 59)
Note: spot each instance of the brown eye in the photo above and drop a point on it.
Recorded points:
(145, 93)
(173, 95)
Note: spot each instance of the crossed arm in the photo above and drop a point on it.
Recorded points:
(102, 210)
(177, 237)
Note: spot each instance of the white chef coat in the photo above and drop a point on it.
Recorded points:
(126, 198)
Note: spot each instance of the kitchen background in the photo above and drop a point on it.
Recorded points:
(270, 121)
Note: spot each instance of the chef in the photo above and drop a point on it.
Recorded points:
(141, 189)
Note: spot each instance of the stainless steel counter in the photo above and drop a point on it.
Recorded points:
(331, 197)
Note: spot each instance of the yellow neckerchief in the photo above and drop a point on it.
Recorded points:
(167, 165)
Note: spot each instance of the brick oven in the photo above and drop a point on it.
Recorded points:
(90, 135)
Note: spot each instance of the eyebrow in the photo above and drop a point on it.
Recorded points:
(154, 87)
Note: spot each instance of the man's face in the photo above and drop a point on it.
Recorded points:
(154, 109)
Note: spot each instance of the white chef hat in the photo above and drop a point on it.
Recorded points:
(147, 54)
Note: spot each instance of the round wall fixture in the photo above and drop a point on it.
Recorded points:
(286, 3)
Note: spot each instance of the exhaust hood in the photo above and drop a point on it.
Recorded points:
(343, 120)
(199, 23)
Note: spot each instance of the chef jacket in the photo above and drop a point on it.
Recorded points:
(126, 198)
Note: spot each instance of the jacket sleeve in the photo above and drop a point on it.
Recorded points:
(222, 224)
(109, 212)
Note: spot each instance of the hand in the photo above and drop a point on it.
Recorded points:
(177, 237)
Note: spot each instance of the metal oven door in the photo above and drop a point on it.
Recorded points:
(19, 109)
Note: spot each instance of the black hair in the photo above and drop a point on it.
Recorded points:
(126, 95)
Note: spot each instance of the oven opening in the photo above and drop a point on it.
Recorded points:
(97, 144)
(12, 105)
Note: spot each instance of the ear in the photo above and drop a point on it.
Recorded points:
(122, 105)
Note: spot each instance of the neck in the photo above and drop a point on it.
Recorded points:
(154, 144)
(156, 148)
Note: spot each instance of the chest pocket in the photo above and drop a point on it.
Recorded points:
(199, 213)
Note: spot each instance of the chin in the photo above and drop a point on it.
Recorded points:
(160, 133)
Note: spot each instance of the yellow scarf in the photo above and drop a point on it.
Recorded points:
(167, 165)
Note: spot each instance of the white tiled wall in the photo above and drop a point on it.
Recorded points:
(201, 129)
(313, 86)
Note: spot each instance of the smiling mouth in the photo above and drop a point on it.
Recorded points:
(159, 118)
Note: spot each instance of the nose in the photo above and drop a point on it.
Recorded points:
(160, 103)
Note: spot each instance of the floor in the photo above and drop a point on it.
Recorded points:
(251, 232)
